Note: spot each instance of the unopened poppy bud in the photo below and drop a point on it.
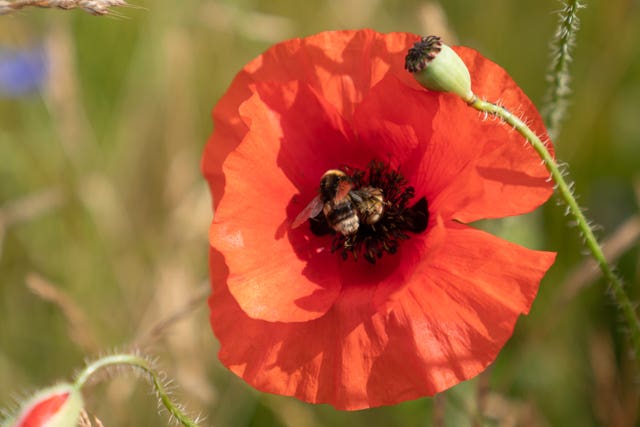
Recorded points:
(437, 67)
(57, 406)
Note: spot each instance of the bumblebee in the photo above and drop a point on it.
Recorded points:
(344, 207)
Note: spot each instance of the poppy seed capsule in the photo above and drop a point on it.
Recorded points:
(437, 67)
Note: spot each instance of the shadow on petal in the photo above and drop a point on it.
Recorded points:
(513, 177)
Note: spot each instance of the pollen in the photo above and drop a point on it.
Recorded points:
(386, 219)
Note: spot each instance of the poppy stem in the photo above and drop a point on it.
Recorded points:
(618, 294)
(143, 364)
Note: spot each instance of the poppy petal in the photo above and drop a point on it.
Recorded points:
(229, 132)
(420, 250)
(458, 312)
(325, 360)
(513, 177)
(443, 329)
(346, 64)
(466, 167)
(433, 151)
(251, 225)
(310, 132)
(343, 65)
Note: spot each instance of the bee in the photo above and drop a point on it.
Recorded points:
(344, 207)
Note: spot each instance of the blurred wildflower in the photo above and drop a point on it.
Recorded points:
(295, 318)
(22, 71)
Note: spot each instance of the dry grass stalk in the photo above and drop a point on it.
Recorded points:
(439, 410)
(78, 324)
(160, 328)
(615, 393)
(618, 243)
(94, 7)
(27, 208)
(30, 206)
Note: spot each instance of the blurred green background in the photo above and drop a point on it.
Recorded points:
(104, 214)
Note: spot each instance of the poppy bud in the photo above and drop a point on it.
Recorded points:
(437, 67)
(57, 406)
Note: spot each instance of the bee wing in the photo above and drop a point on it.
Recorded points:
(311, 210)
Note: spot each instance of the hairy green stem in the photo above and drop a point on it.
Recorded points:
(558, 76)
(144, 365)
(617, 291)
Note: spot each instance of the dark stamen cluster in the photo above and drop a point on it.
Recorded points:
(371, 241)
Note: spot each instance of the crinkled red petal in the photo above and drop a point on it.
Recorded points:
(342, 65)
(513, 177)
(446, 327)
(408, 123)
(279, 274)
(459, 311)
(467, 168)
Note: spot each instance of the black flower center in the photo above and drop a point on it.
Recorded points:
(368, 212)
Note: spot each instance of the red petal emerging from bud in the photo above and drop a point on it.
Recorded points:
(43, 411)
(54, 407)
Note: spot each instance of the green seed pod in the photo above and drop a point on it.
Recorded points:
(437, 67)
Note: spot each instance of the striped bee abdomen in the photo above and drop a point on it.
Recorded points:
(342, 216)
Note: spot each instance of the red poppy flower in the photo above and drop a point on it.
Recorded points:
(420, 310)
